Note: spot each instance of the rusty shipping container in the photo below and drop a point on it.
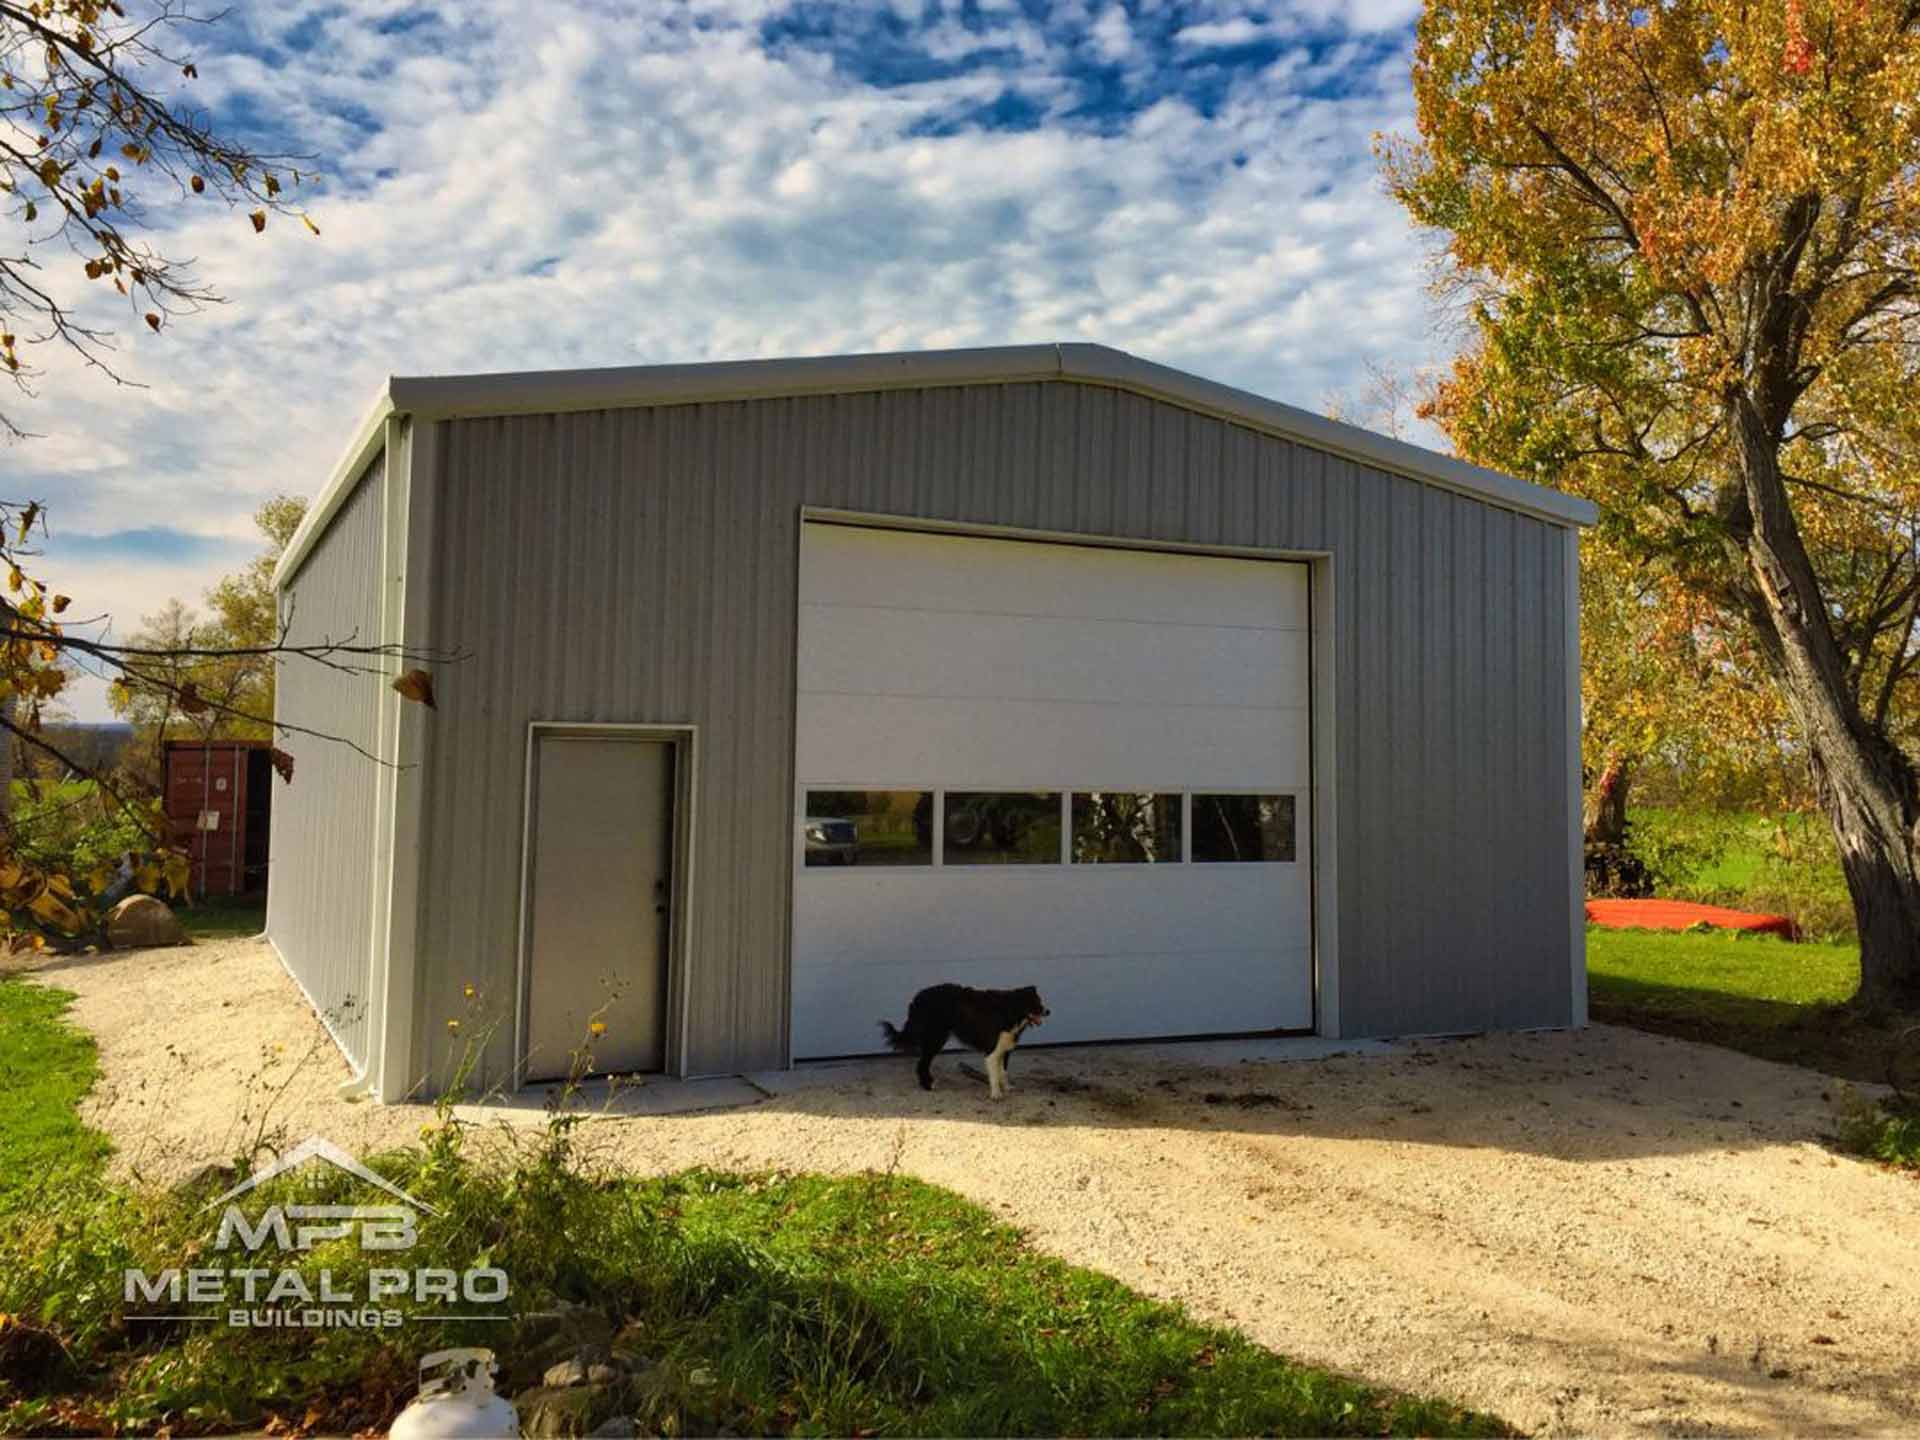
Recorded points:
(219, 801)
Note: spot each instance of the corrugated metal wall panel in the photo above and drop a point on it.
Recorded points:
(639, 566)
(320, 877)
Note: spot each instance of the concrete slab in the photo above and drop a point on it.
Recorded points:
(660, 1095)
(616, 1100)
(1197, 1054)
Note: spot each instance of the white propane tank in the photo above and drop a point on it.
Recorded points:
(456, 1401)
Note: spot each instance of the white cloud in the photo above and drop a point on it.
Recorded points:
(560, 185)
(1222, 33)
(1112, 36)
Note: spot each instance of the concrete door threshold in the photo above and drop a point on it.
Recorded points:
(621, 1099)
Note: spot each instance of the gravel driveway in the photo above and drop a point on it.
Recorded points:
(1603, 1231)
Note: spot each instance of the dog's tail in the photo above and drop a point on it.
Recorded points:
(897, 1038)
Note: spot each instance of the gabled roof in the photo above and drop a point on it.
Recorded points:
(445, 397)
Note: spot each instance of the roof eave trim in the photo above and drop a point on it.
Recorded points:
(457, 397)
(451, 397)
(1101, 365)
(367, 440)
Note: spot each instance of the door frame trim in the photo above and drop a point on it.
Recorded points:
(685, 741)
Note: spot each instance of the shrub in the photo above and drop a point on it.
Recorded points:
(1614, 872)
(1887, 1132)
(1676, 845)
(73, 828)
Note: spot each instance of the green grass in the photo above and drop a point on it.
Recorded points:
(768, 1304)
(223, 917)
(1755, 993)
(46, 1066)
(1736, 859)
(1725, 975)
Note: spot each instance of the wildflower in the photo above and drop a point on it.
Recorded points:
(453, 1027)
(599, 1028)
(471, 992)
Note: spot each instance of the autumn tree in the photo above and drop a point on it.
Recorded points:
(232, 688)
(1686, 238)
(1671, 687)
(40, 648)
(96, 135)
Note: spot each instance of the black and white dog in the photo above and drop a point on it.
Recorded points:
(988, 1020)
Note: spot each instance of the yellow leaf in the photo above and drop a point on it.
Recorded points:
(259, 219)
(417, 686)
(307, 220)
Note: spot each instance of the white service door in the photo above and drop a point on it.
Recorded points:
(943, 663)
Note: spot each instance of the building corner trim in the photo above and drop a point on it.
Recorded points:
(405, 625)
(1576, 847)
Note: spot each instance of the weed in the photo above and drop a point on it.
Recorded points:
(1889, 1132)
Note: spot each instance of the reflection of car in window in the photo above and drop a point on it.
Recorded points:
(832, 842)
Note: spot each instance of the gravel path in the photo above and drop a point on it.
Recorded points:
(1604, 1231)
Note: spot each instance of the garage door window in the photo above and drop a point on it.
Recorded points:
(1243, 828)
(869, 827)
(1003, 827)
(1113, 827)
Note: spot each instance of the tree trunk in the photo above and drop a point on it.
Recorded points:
(1605, 822)
(1874, 826)
(1865, 782)
(6, 767)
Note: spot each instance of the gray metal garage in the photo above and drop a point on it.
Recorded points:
(792, 686)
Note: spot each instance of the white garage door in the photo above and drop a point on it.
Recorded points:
(1075, 767)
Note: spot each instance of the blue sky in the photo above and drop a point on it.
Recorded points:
(516, 186)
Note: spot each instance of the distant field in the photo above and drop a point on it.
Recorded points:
(1738, 860)
(1748, 838)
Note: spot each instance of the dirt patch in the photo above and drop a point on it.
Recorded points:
(1602, 1231)
(1254, 1100)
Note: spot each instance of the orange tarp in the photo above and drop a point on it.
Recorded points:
(1683, 915)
